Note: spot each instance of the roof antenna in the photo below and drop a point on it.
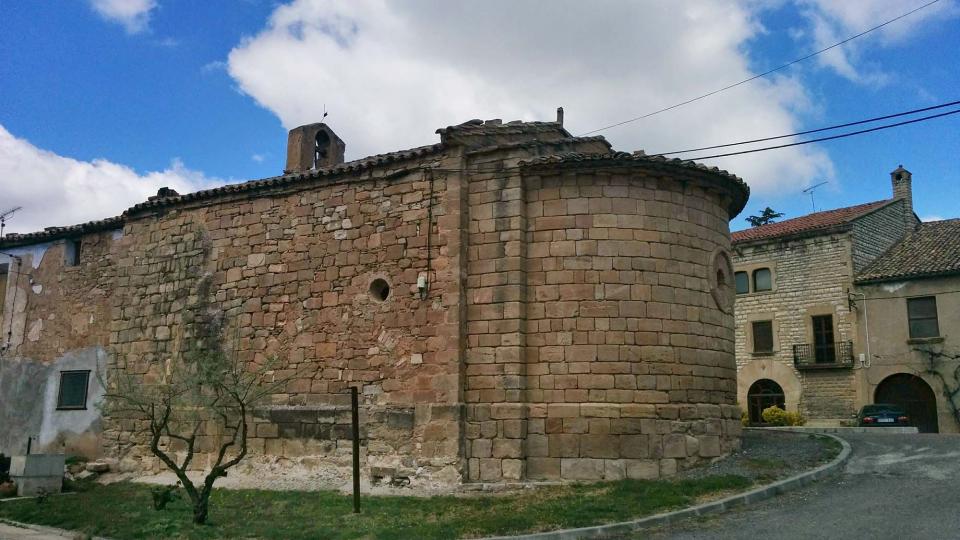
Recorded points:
(324, 112)
(4, 216)
(810, 191)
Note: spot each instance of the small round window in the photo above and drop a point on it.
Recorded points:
(379, 290)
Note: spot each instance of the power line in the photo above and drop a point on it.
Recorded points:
(840, 136)
(798, 143)
(818, 130)
(765, 73)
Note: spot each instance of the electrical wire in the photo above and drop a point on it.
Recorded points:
(798, 143)
(818, 130)
(765, 73)
(832, 137)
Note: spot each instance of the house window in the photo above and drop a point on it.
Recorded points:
(71, 252)
(823, 346)
(73, 389)
(763, 336)
(743, 282)
(922, 313)
(762, 280)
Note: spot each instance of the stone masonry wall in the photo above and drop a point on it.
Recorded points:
(811, 276)
(289, 275)
(595, 348)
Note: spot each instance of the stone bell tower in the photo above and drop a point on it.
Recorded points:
(313, 146)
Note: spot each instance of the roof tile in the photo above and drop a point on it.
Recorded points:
(809, 222)
(931, 250)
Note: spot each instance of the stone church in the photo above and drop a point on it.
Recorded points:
(514, 303)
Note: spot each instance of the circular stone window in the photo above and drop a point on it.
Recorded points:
(379, 290)
(721, 287)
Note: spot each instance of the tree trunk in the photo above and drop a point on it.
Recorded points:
(200, 510)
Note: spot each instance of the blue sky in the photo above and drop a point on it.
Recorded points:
(103, 101)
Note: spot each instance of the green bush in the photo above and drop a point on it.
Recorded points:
(775, 416)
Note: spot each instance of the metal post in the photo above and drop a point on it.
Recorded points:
(355, 409)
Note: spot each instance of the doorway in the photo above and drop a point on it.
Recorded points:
(763, 394)
(914, 395)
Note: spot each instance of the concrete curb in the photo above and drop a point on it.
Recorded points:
(892, 430)
(52, 531)
(722, 505)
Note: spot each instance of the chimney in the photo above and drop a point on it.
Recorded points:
(311, 147)
(903, 190)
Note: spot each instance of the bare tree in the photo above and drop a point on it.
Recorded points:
(173, 403)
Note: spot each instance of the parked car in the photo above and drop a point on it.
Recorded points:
(882, 415)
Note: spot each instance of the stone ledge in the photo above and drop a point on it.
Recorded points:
(722, 505)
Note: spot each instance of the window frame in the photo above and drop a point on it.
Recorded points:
(736, 284)
(753, 279)
(72, 249)
(935, 318)
(86, 390)
(754, 334)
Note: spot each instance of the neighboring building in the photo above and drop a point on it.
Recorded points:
(910, 298)
(514, 302)
(800, 315)
(796, 337)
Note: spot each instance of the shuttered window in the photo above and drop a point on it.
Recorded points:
(762, 336)
(922, 313)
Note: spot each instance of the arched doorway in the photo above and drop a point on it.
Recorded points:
(762, 394)
(914, 395)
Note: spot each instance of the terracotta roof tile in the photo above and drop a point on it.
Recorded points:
(810, 222)
(932, 250)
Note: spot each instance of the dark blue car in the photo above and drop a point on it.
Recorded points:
(882, 415)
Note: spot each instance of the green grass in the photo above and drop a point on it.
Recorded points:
(124, 511)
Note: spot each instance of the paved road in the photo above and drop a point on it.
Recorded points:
(893, 487)
(9, 532)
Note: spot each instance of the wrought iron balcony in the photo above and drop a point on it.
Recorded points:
(827, 356)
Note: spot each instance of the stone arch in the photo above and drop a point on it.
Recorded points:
(777, 372)
(762, 394)
(914, 395)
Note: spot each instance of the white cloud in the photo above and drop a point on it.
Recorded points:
(55, 190)
(932, 217)
(258, 158)
(390, 73)
(134, 15)
(832, 21)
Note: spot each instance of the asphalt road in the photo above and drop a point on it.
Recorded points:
(894, 486)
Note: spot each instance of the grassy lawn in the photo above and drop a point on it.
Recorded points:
(124, 510)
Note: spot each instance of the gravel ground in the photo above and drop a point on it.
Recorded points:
(765, 456)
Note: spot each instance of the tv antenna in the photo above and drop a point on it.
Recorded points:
(5, 215)
(810, 189)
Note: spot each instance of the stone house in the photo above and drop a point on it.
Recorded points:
(514, 303)
(801, 323)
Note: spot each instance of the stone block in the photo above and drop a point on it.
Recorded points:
(507, 448)
(537, 445)
(581, 469)
(614, 469)
(563, 445)
(675, 445)
(512, 469)
(709, 446)
(541, 468)
(643, 469)
(599, 446)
